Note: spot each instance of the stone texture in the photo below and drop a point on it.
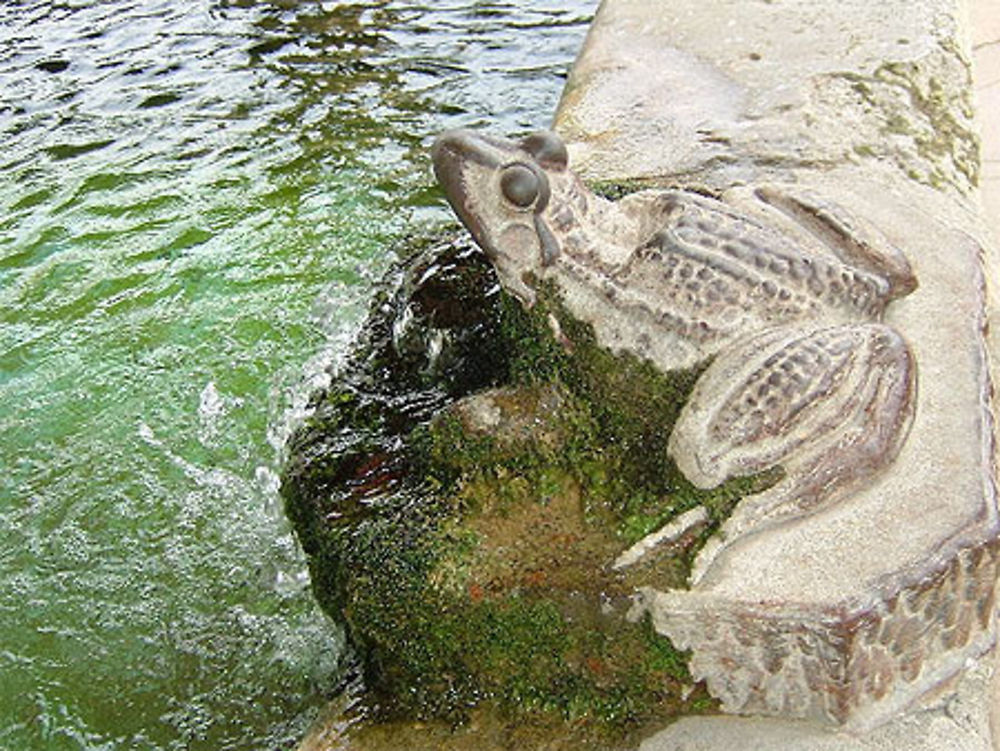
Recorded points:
(954, 720)
(854, 613)
(984, 28)
(860, 665)
(722, 92)
(983, 21)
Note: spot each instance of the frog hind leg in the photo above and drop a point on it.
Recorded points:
(832, 407)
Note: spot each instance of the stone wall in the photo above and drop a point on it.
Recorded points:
(851, 614)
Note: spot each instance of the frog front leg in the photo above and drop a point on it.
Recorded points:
(830, 406)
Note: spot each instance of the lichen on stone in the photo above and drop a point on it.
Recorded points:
(917, 114)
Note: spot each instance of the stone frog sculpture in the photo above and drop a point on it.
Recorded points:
(781, 293)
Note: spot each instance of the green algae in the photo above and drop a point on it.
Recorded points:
(462, 520)
(614, 190)
(623, 412)
(452, 610)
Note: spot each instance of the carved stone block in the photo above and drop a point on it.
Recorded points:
(850, 662)
(850, 613)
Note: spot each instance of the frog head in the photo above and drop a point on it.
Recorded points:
(501, 189)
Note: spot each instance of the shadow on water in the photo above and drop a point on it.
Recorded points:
(195, 201)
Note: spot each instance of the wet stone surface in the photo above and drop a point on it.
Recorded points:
(462, 490)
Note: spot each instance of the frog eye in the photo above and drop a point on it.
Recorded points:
(547, 148)
(520, 185)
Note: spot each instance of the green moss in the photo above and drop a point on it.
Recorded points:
(614, 190)
(440, 630)
(466, 542)
(623, 412)
(498, 593)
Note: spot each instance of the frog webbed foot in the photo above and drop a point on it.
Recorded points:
(830, 406)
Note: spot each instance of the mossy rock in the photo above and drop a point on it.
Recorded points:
(462, 489)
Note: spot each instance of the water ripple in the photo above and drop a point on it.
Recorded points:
(195, 199)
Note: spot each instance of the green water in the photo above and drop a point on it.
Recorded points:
(195, 200)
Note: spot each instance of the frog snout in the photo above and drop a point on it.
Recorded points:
(454, 154)
(446, 157)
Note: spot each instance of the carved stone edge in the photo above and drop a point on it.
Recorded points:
(853, 665)
(858, 662)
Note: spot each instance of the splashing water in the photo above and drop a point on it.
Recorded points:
(195, 200)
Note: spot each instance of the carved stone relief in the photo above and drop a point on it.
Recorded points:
(782, 294)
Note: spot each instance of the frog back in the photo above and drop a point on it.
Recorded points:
(706, 275)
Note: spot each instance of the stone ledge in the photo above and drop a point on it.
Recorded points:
(956, 720)
(791, 621)
(860, 663)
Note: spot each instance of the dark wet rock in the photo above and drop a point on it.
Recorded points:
(431, 337)
(462, 489)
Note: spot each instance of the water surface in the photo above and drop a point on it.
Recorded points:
(195, 201)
